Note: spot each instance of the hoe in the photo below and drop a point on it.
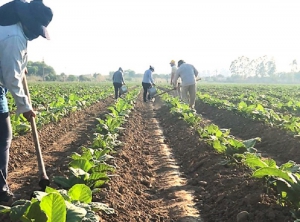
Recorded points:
(44, 180)
(152, 90)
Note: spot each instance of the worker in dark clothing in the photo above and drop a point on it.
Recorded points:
(118, 81)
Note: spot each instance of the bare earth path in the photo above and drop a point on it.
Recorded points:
(148, 186)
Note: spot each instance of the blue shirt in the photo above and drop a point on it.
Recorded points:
(148, 77)
(118, 77)
(3, 100)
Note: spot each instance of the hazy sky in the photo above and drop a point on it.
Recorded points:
(100, 35)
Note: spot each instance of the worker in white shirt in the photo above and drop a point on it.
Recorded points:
(188, 74)
(173, 71)
(20, 22)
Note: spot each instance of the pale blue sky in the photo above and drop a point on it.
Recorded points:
(99, 36)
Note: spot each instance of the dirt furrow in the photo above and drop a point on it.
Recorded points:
(57, 142)
(148, 185)
(222, 193)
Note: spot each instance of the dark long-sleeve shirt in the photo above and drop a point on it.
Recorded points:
(118, 77)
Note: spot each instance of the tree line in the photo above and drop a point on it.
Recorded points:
(262, 69)
(47, 73)
(242, 69)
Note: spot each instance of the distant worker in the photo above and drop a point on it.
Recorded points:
(118, 81)
(20, 21)
(173, 71)
(147, 83)
(188, 74)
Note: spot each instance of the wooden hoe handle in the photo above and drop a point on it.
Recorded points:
(44, 180)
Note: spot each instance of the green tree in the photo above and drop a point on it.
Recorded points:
(32, 69)
(51, 77)
(130, 73)
(72, 78)
(62, 77)
(41, 69)
(239, 67)
(83, 78)
(260, 70)
(111, 73)
(271, 68)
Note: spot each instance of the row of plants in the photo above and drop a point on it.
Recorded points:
(256, 111)
(280, 98)
(283, 179)
(88, 171)
(54, 101)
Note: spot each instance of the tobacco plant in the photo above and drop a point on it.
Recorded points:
(57, 206)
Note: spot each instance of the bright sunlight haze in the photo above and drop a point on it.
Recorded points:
(100, 36)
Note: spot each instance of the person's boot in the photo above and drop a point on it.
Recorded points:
(6, 198)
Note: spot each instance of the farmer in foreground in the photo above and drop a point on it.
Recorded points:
(147, 83)
(118, 81)
(173, 71)
(19, 22)
(188, 74)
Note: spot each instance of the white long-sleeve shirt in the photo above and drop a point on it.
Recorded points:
(13, 61)
(147, 78)
(187, 73)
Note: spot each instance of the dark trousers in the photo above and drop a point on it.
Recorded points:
(5, 141)
(117, 87)
(146, 86)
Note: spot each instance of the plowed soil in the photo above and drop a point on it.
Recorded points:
(164, 171)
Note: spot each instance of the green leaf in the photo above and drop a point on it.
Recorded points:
(83, 164)
(35, 213)
(62, 181)
(39, 195)
(80, 192)
(18, 211)
(235, 143)
(103, 167)
(19, 202)
(260, 107)
(270, 162)
(87, 154)
(242, 105)
(273, 172)
(98, 176)
(54, 207)
(99, 183)
(25, 219)
(218, 146)
(79, 173)
(4, 209)
(250, 143)
(75, 156)
(290, 166)
(100, 153)
(214, 130)
(91, 217)
(96, 206)
(51, 190)
(75, 180)
(65, 195)
(75, 213)
(255, 162)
